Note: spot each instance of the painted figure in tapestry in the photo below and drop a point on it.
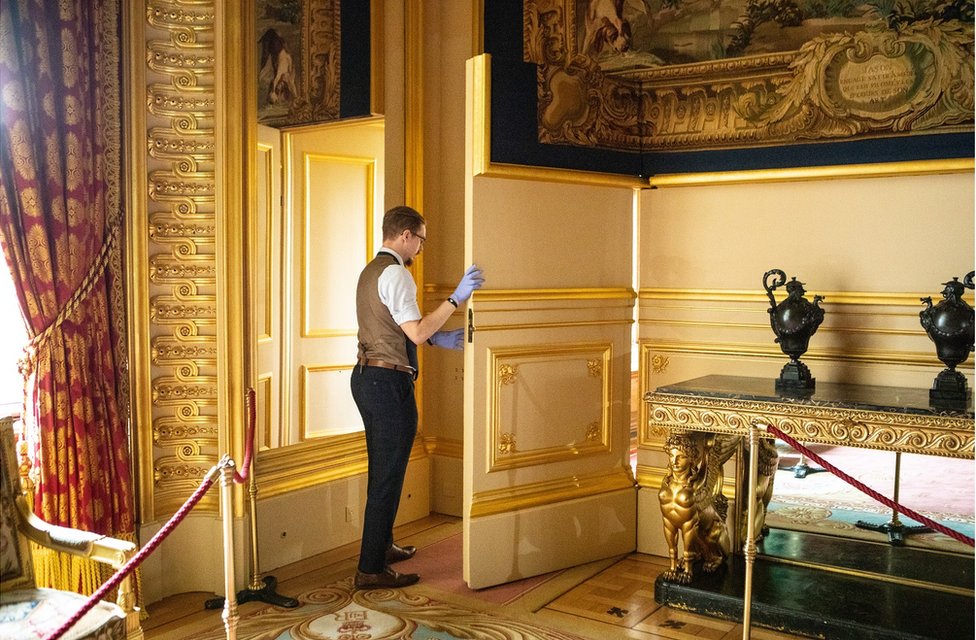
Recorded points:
(650, 33)
(298, 61)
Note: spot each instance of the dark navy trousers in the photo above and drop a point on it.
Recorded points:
(386, 401)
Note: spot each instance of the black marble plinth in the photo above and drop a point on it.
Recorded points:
(827, 587)
(828, 394)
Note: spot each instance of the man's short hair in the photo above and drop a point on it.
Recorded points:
(400, 219)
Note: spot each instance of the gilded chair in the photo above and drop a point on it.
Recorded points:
(28, 612)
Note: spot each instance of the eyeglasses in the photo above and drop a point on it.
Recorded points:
(422, 238)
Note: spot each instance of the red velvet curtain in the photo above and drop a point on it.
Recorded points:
(61, 230)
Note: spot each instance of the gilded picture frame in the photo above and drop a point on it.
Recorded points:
(751, 86)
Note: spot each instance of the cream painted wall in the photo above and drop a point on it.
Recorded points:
(902, 236)
(880, 234)
(848, 238)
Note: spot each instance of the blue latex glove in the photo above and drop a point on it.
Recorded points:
(473, 279)
(453, 339)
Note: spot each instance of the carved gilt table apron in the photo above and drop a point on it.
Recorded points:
(851, 415)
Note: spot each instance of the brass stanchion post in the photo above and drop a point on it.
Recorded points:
(229, 615)
(750, 544)
(258, 589)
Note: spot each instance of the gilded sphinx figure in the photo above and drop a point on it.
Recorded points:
(692, 503)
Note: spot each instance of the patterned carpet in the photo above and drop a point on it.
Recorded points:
(339, 611)
(939, 488)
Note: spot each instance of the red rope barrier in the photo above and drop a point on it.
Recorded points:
(914, 515)
(137, 559)
(161, 535)
(241, 478)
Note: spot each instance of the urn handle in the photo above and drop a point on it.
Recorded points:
(778, 282)
(968, 280)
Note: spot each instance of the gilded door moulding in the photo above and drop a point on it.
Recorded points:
(507, 365)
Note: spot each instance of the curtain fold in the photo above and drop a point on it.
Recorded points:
(60, 229)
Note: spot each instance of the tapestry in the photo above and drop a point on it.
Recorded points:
(693, 75)
(299, 61)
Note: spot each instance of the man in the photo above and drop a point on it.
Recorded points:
(390, 328)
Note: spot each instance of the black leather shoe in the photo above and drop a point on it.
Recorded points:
(389, 579)
(396, 553)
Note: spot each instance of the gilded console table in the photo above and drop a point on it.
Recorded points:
(707, 419)
(850, 415)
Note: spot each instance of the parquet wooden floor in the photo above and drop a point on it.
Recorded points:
(604, 600)
(622, 596)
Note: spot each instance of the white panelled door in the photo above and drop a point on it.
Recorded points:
(547, 476)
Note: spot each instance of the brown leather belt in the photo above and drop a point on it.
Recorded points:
(386, 365)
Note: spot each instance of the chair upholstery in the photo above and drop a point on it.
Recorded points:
(27, 612)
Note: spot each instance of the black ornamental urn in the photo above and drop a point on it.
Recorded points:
(793, 320)
(949, 324)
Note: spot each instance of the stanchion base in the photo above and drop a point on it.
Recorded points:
(266, 594)
(801, 471)
(896, 531)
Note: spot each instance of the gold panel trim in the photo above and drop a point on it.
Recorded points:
(565, 176)
(551, 325)
(444, 447)
(765, 325)
(377, 57)
(479, 89)
(511, 499)
(264, 332)
(307, 464)
(532, 295)
(263, 426)
(336, 124)
(941, 435)
(875, 170)
(502, 451)
(413, 105)
(739, 349)
(137, 252)
(869, 298)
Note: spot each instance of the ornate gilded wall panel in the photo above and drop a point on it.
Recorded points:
(180, 135)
